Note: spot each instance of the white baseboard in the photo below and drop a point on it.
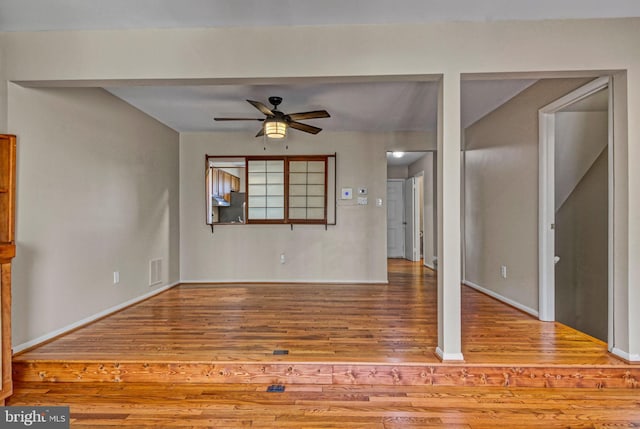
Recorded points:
(448, 356)
(635, 358)
(430, 266)
(79, 323)
(288, 281)
(499, 297)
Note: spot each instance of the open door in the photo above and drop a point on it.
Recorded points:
(412, 220)
(395, 218)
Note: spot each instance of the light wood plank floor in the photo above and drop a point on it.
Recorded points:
(376, 324)
(156, 405)
(339, 323)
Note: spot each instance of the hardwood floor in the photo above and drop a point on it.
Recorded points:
(158, 405)
(333, 334)
(340, 323)
(360, 356)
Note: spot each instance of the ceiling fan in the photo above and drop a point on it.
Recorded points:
(276, 122)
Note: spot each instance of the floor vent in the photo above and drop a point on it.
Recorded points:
(279, 388)
(281, 352)
(155, 271)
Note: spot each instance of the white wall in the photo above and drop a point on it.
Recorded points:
(97, 192)
(501, 192)
(352, 251)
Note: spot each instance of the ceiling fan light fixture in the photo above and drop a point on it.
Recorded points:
(275, 129)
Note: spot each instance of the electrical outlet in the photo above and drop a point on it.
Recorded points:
(282, 258)
(116, 277)
(503, 271)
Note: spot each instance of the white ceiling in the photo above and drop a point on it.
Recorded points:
(38, 15)
(365, 106)
(354, 106)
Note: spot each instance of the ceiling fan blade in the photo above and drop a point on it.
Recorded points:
(309, 115)
(260, 133)
(304, 127)
(238, 119)
(261, 107)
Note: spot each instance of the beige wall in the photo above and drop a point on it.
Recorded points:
(97, 192)
(352, 251)
(501, 192)
(397, 172)
(451, 50)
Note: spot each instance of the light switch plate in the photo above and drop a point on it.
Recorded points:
(363, 201)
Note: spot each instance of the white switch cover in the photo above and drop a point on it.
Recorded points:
(363, 201)
(347, 193)
(503, 271)
(379, 202)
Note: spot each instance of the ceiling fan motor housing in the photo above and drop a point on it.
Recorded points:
(275, 101)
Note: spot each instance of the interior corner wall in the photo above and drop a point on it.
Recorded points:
(501, 194)
(354, 250)
(97, 192)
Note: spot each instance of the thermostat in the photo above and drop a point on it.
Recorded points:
(347, 193)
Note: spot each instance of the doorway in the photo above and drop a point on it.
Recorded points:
(411, 206)
(575, 229)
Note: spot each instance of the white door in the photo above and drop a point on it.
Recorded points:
(412, 221)
(395, 218)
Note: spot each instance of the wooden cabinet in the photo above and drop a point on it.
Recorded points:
(235, 184)
(7, 252)
(223, 183)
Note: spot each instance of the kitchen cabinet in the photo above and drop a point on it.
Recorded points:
(223, 183)
(7, 253)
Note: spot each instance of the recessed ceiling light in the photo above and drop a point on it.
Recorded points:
(397, 154)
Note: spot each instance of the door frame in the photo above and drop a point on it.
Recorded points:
(546, 191)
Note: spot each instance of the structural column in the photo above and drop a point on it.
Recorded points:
(449, 259)
(629, 334)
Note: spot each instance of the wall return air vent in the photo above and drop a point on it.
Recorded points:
(155, 271)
